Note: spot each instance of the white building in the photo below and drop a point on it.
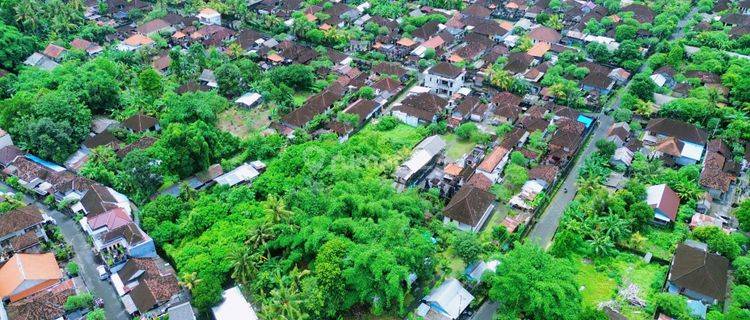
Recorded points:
(447, 301)
(444, 79)
(234, 306)
(209, 16)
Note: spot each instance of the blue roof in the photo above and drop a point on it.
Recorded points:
(585, 120)
(45, 163)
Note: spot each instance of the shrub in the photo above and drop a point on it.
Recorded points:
(72, 268)
(79, 301)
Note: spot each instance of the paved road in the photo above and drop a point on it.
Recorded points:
(84, 257)
(545, 228)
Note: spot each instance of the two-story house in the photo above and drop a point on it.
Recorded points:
(444, 79)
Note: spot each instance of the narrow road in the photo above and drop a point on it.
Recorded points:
(84, 257)
(486, 311)
(545, 229)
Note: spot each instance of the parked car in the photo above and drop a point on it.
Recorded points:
(103, 273)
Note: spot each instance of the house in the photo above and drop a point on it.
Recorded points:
(313, 106)
(245, 173)
(147, 286)
(364, 110)
(619, 133)
(423, 158)
(26, 274)
(494, 162)
(9, 154)
(598, 79)
(420, 108)
(444, 79)
(155, 27)
(446, 302)
(5, 139)
(703, 220)
(542, 34)
(103, 139)
(507, 107)
(469, 208)
(698, 274)
(135, 42)
(622, 157)
(475, 271)
(249, 100)
(54, 52)
(208, 78)
(99, 199)
(86, 46)
(209, 16)
(518, 62)
(719, 171)
(641, 13)
(48, 303)
(686, 144)
(141, 123)
(234, 306)
(182, 311)
(665, 202)
(545, 175)
(40, 61)
(21, 229)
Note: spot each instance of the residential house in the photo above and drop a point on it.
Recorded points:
(147, 287)
(619, 133)
(26, 274)
(469, 108)
(684, 142)
(40, 61)
(703, 220)
(542, 34)
(245, 173)
(494, 163)
(154, 27)
(420, 108)
(469, 208)
(54, 52)
(622, 157)
(446, 302)
(9, 154)
(475, 271)
(545, 175)
(719, 171)
(86, 46)
(390, 69)
(423, 158)
(598, 79)
(99, 199)
(315, 105)
(127, 239)
(386, 87)
(249, 100)
(233, 306)
(5, 139)
(21, 229)
(641, 13)
(665, 202)
(208, 78)
(518, 62)
(507, 107)
(135, 42)
(698, 274)
(183, 311)
(48, 303)
(139, 123)
(209, 16)
(103, 139)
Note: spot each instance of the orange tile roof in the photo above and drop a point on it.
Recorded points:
(27, 267)
(275, 57)
(434, 42)
(491, 161)
(137, 40)
(455, 58)
(406, 42)
(539, 49)
(325, 27)
(453, 169)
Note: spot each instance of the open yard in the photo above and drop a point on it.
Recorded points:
(240, 121)
(456, 148)
(602, 279)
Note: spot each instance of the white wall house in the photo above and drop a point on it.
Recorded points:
(444, 79)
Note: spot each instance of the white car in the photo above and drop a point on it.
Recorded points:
(103, 273)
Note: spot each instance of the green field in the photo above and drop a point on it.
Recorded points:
(456, 148)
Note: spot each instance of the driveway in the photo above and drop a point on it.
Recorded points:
(545, 228)
(486, 311)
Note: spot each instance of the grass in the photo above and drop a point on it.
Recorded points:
(240, 122)
(456, 148)
(601, 279)
(402, 134)
(660, 242)
(300, 97)
(501, 211)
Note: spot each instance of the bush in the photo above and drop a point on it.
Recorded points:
(386, 123)
(467, 246)
(72, 268)
(466, 130)
(97, 314)
(672, 305)
(79, 301)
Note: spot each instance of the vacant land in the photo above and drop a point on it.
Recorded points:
(240, 121)
(455, 147)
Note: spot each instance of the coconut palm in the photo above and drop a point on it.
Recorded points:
(246, 264)
(601, 244)
(190, 280)
(260, 235)
(275, 209)
(285, 302)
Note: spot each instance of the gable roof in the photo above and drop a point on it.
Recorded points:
(9, 153)
(19, 219)
(53, 51)
(700, 271)
(664, 198)
(678, 129)
(451, 298)
(156, 282)
(152, 26)
(445, 69)
(641, 13)
(545, 34)
(140, 122)
(24, 267)
(102, 139)
(111, 219)
(98, 199)
(468, 205)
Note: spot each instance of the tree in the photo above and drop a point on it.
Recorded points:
(275, 210)
(366, 93)
(467, 246)
(536, 141)
(622, 115)
(190, 280)
(296, 76)
(141, 175)
(530, 281)
(465, 130)
(150, 83)
(97, 314)
(642, 87)
(742, 270)
(718, 241)
(187, 149)
(15, 46)
(672, 305)
(516, 175)
(598, 52)
(192, 106)
(229, 78)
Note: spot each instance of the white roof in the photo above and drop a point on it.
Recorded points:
(243, 173)
(483, 267)
(249, 98)
(623, 154)
(234, 306)
(658, 79)
(654, 194)
(451, 297)
(419, 89)
(422, 154)
(691, 151)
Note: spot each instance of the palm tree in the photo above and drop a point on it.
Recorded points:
(275, 209)
(601, 244)
(615, 227)
(246, 264)
(588, 185)
(260, 235)
(27, 15)
(500, 78)
(190, 280)
(285, 302)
